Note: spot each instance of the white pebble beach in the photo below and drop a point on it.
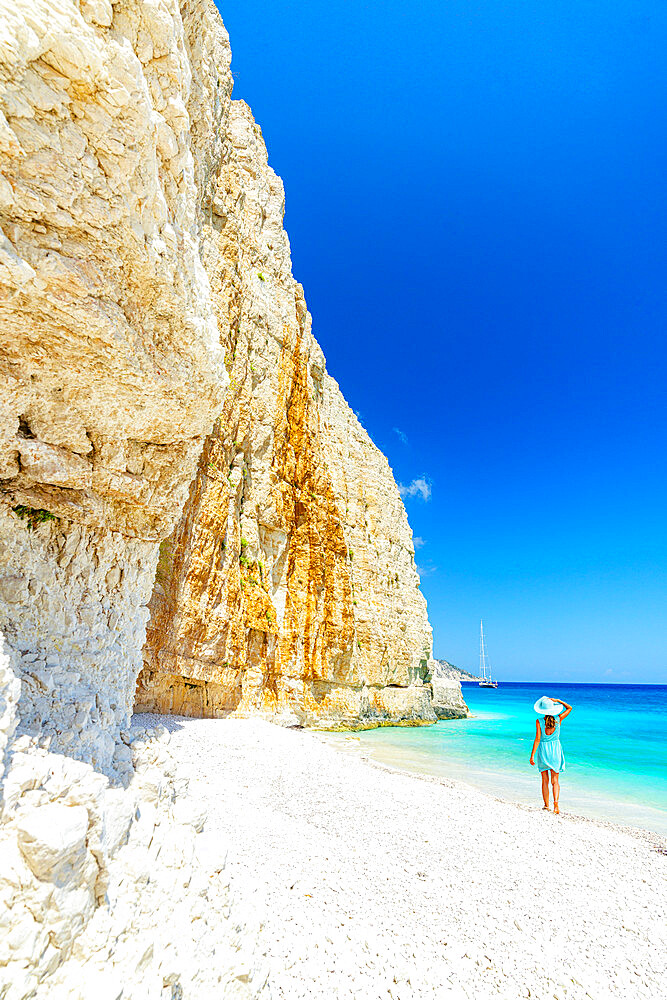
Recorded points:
(374, 883)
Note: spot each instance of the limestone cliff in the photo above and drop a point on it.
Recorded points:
(289, 586)
(151, 332)
(110, 360)
(144, 270)
(111, 375)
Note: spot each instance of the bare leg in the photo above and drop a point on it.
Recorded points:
(545, 788)
(556, 789)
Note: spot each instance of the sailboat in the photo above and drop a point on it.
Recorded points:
(485, 680)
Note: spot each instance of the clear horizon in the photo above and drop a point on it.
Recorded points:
(581, 683)
(475, 203)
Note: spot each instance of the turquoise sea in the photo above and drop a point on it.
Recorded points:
(615, 745)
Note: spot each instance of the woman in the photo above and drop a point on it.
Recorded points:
(547, 743)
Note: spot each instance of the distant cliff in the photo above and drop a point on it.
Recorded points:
(448, 702)
(446, 669)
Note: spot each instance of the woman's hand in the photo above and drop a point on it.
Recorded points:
(566, 708)
(532, 761)
(563, 703)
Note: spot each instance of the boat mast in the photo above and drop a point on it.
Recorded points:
(482, 652)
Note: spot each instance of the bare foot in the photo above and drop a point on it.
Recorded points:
(545, 808)
(557, 810)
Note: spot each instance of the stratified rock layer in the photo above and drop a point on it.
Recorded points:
(111, 371)
(448, 700)
(111, 375)
(289, 587)
(110, 358)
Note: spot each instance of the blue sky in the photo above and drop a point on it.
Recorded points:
(476, 206)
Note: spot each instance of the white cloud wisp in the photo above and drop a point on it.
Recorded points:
(418, 487)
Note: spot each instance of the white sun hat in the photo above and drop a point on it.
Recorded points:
(545, 706)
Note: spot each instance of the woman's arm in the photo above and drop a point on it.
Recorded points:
(535, 742)
(568, 708)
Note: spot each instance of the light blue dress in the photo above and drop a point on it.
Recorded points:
(549, 751)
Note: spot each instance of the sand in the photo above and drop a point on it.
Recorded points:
(370, 882)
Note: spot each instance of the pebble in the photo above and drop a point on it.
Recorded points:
(332, 846)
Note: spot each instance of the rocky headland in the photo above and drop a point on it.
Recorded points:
(448, 701)
(446, 669)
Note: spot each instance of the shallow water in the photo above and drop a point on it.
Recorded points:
(615, 745)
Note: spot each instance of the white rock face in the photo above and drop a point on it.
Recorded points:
(10, 691)
(108, 892)
(74, 613)
(448, 702)
(111, 365)
(111, 370)
(446, 669)
(52, 839)
(111, 375)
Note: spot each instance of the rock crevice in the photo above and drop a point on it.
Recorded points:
(289, 586)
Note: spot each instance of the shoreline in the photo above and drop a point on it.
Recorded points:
(373, 882)
(642, 833)
(616, 761)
